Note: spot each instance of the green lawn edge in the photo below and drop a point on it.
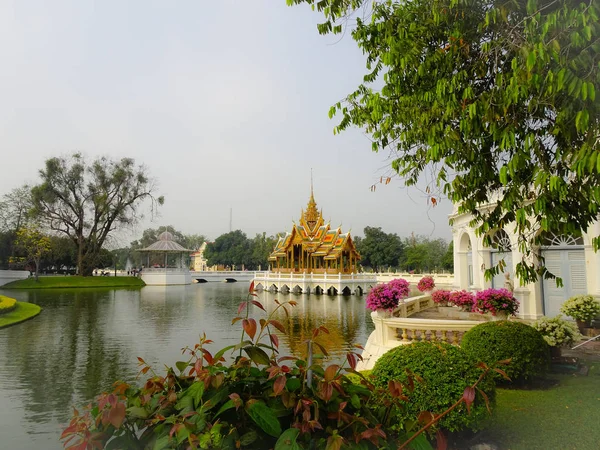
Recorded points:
(22, 312)
(72, 281)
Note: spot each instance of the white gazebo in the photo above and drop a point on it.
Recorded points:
(166, 262)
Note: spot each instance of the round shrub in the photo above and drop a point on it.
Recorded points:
(446, 371)
(581, 307)
(7, 304)
(491, 342)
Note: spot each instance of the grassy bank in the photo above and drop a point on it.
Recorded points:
(74, 282)
(563, 416)
(22, 312)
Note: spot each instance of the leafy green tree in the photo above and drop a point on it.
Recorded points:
(34, 244)
(14, 209)
(86, 201)
(261, 247)
(448, 260)
(229, 249)
(62, 255)
(497, 98)
(379, 250)
(422, 254)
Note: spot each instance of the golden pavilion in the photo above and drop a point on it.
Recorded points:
(314, 247)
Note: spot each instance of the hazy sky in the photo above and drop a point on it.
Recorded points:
(225, 102)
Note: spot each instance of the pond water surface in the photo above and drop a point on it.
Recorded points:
(85, 339)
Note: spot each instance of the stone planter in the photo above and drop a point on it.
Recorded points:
(383, 313)
(582, 325)
(501, 315)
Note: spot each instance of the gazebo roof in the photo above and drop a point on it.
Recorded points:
(165, 244)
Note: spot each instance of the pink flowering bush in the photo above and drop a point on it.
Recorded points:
(441, 297)
(426, 284)
(388, 295)
(462, 299)
(496, 300)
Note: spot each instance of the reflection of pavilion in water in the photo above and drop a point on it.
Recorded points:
(344, 317)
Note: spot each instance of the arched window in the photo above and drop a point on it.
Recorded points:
(501, 241)
(550, 239)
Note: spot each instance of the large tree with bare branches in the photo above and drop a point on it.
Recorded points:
(86, 201)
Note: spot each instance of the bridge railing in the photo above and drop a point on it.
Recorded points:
(314, 277)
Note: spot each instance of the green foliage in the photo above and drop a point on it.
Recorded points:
(526, 348)
(7, 304)
(581, 307)
(446, 370)
(379, 250)
(235, 249)
(557, 332)
(87, 201)
(257, 401)
(34, 244)
(423, 255)
(497, 99)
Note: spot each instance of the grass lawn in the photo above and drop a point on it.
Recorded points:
(22, 312)
(71, 281)
(565, 416)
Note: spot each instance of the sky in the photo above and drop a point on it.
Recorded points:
(224, 102)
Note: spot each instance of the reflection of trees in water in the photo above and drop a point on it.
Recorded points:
(344, 317)
(67, 357)
(164, 308)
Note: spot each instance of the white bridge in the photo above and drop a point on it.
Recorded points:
(228, 276)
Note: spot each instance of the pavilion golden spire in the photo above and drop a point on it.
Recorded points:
(311, 216)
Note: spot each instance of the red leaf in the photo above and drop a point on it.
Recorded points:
(505, 361)
(241, 307)
(207, 356)
(279, 384)
(251, 289)
(235, 319)
(469, 397)
(249, 326)
(277, 325)
(351, 357)
(197, 367)
(116, 415)
(503, 373)
(486, 399)
(259, 304)
(441, 441)
(425, 417)
(287, 358)
(320, 347)
(274, 340)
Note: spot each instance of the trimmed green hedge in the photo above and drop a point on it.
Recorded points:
(446, 371)
(7, 304)
(73, 281)
(23, 311)
(496, 341)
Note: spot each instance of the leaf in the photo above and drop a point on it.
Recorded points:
(161, 443)
(486, 399)
(241, 307)
(469, 397)
(351, 357)
(321, 348)
(293, 384)
(251, 288)
(226, 406)
(503, 373)
(274, 339)
(196, 391)
(137, 412)
(420, 442)
(116, 415)
(277, 325)
(264, 417)
(259, 304)
(248, 438)
(287, 440)
(279, 384)
(181, 365)
(425, 417)
(249, 326)
(257, 354)
(441, 441)
(331, 372)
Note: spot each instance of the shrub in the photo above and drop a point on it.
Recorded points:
(441, 297)
(557, 332)
(7, 304)
(495, 341)
(462, 299)
(388, 295)
(446, 370)
(581, 307)
(426, 284)
(496, 300)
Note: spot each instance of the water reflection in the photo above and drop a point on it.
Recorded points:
(84, 340)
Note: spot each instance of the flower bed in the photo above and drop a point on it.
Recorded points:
(7, 304)
(387, 296)
(495, 302)
(426, 284)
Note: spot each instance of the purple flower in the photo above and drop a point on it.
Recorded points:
(388, 295)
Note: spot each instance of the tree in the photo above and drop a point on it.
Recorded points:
(424, 255)
(261, 247)
(63, 254)
(378, 249)
(229, 249)
(87, 201)
(34, 244)
(14, 209)
(497, 99)
(448, 260)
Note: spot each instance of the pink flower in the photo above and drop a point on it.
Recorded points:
(426, 284)
(388, 295)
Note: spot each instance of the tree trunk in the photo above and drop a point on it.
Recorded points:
(37, 269)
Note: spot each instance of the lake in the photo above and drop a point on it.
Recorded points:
(85, 339)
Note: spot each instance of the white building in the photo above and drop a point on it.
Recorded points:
(571, 258)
